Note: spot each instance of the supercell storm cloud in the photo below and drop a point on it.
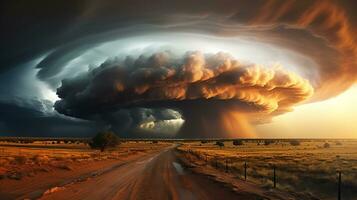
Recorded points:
(183, 69)
(215, 82)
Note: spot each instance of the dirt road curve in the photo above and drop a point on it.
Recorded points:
(156, 176)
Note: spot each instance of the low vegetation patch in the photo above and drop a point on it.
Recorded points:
(268, 142)
(327, 145)
(20, 160)
(294, 142)
(237, 142)
(104, 140)
(220, 144)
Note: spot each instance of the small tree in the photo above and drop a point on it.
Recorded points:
(326, 145)
(237, 142)
(294, 142)
(268, 142)
(103, 140)
(220, 144)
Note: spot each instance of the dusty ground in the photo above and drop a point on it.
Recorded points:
(156, 176)
(159, 176)
(132, 171)
(50, 165)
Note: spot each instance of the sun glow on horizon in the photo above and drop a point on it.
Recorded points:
(332, 118)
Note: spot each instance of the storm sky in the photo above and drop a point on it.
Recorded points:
(184, 69)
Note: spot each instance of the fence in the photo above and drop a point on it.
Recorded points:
(246, 172)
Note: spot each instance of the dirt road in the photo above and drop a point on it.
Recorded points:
(156, 176)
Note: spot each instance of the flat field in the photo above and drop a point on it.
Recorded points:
(49, 164)
(304, 169)
(305, 166)
(20, 160)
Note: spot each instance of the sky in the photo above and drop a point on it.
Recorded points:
(179, 69)
(332, 118)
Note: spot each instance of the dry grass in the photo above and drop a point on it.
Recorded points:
(21, 160)
(307, 168)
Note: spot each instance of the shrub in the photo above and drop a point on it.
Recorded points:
(338, 143)
(64, 166)
(40, 159)
(268, 142)
(203, 141)
(220, 144)
(104, 140)
(154, 141)
(326, 145)
(16, 176)
(237, 142)
(20, 160)
(294, 142)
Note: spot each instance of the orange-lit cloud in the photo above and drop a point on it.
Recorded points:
(212, 81)
(218, 95)
(326, 20)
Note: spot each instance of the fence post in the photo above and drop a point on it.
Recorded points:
(226, 165)
(245, 170)
(339, 186)
(274, 177)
